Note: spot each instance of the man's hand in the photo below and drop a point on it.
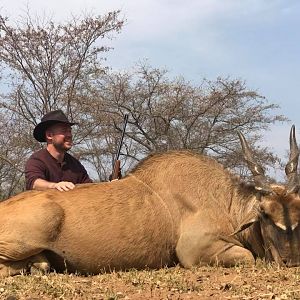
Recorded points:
(63, 186)
(42, 184)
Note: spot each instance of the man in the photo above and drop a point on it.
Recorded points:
(53, 167)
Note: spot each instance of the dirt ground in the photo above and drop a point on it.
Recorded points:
(260, 282)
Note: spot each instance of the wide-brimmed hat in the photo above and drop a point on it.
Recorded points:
(53, 117)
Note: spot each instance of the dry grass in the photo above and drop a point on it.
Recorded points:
(263, 281)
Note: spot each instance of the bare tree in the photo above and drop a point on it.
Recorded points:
(49, 66)
(59, 66)
(168, 114)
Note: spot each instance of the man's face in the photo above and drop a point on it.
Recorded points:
(60, 136)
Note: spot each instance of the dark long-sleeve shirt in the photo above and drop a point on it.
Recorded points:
(43, 165)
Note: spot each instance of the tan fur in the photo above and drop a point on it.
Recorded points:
(174, 207)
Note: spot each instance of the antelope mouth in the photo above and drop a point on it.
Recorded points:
(291, 264)
(284, 262)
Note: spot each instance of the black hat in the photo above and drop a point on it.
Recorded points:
(53, 117)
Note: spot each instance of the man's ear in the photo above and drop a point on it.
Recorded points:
(48, 135)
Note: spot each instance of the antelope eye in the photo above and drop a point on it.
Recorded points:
(263, 214)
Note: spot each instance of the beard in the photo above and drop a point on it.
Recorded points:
(62, 145)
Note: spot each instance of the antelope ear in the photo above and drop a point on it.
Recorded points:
(244, 226)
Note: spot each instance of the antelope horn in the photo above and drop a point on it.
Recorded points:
(256, 170)
(292, 165)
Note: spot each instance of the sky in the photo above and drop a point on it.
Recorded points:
(254, 40)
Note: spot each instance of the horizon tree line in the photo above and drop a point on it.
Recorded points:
(47, 65)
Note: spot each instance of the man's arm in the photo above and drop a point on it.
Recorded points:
(42, 184)
(84, 175)
(35, 175)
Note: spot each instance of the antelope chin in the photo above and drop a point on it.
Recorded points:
(273, 255)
